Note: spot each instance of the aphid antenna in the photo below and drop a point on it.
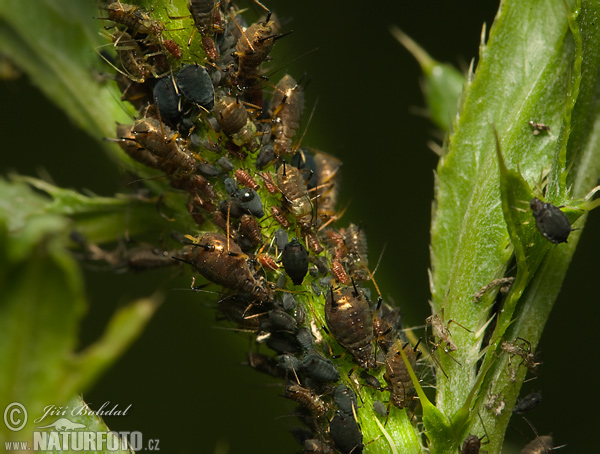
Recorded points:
(286, 64)
(312, 112)
(546, 451)
(124, 73)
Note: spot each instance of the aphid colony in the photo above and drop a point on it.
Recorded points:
(227, 138)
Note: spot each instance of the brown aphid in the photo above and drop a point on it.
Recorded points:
(538, 128)
(307, 398)
(245, 179)
(205, 16)
(350, 319)
(339, 273)
(132, 58)
(528, 358)
(126, 141)
(328, 179)
(267, 262)
(541, 445)
(135, 19)
(312, 241)
(293, 187)
(269, 183)
(173, 48)
(504, 283)
(280, 217)
(397, 377)
(253, 48)
(164, 143)
(288, 102)
(356, 244)
(230, 114)
(250, 229)
(222, 261)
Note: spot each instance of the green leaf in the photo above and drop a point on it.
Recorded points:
(442, 86)
(42, 301)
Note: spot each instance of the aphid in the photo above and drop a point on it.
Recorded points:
(295, 261)
(328, 180)
(282, 342)
(472, 444)
(288, 302)
(346, 434)
(249, 228)
(504, 283)
(245, 179)
(165, 143)
(538, 128)
(280, 217)
(441, 332)
(240, 310)
(345, 399)
(307, 398)
(279, 320)
(281, 239)
(553, 224)
(370, 381)
(269, 183)
(173, 48)
(265, 364)
(289, 364)
(305, 338)
(338, 271)
(319, 368)
(195, 84)
(355, 240)
(396, 376)
(203, 12)
(132, 57)
(304, 160)
(222, 261)
(225, 164)
(168, 100)
(127, 142)
(312, 241)
(135, 19)
(528, 403)
(288, 102)
(529, 359)
(379, 408)
(387, 326)
(543, 444)
(231, 115)
(350, 320)
(267, 262)
(265, 156)
(292, 186)
(250, 201)
(253, 48)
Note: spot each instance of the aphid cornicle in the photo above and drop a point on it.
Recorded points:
(223, 262)
(396, 376)
(292, 186)
(350, 319)
(295, 261)
(288, 103)
(553, 224)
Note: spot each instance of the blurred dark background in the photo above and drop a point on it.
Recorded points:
(184, 376)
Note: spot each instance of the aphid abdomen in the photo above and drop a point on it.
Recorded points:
(397, 377)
